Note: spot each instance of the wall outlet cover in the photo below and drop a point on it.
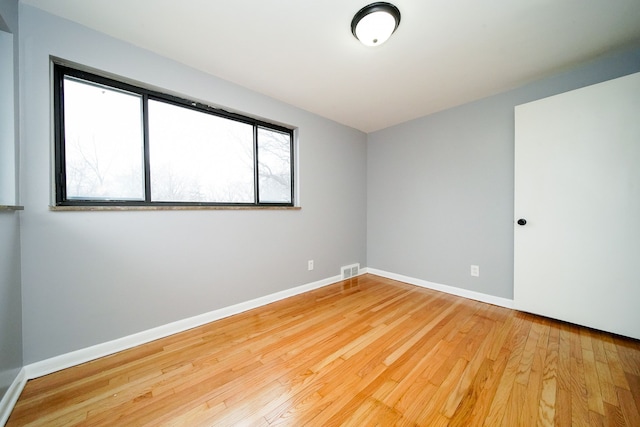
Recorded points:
(475, 271)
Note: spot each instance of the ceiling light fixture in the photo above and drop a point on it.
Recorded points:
(375, 23)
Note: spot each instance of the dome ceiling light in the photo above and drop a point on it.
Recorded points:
(374, 24)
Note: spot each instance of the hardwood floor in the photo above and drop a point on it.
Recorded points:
(369, 351)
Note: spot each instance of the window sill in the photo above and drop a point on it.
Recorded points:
(11, 208)
(172, 208)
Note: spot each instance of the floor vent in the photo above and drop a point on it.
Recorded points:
(349, 271)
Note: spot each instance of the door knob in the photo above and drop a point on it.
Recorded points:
(522, 221)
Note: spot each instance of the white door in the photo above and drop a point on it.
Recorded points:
(577, 185)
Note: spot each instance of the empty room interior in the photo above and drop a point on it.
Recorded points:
(264, 213)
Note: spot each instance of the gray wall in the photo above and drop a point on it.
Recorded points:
(10, 300)
(90, 277)
(10, 304)
(440, 188)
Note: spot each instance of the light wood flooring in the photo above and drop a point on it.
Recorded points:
(364, 352)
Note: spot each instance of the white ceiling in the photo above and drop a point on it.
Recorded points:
(444, 53)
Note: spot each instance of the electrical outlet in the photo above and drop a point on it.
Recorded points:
(475, 270)
(310, 265)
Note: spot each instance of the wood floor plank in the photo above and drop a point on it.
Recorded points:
(367, 351)
(434, 347)
(549, 379)
(500, 399)
(629, 355)
(579, 393)
(466, 379)
(607, 387)
(486, 393)
(463, 413)
(432, 409)
(629, 409)
(634, 387)
(595, 419)
(563, 397)
(594, 387)
(614, 417)
(513, 408)
(618, 376)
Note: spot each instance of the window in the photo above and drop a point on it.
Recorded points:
(123, 145)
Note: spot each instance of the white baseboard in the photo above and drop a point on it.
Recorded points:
(477, 296)
(11, 396)
(57, 363)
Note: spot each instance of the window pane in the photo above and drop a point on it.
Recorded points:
(103, 142)
(198, 157)
(274, 166)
